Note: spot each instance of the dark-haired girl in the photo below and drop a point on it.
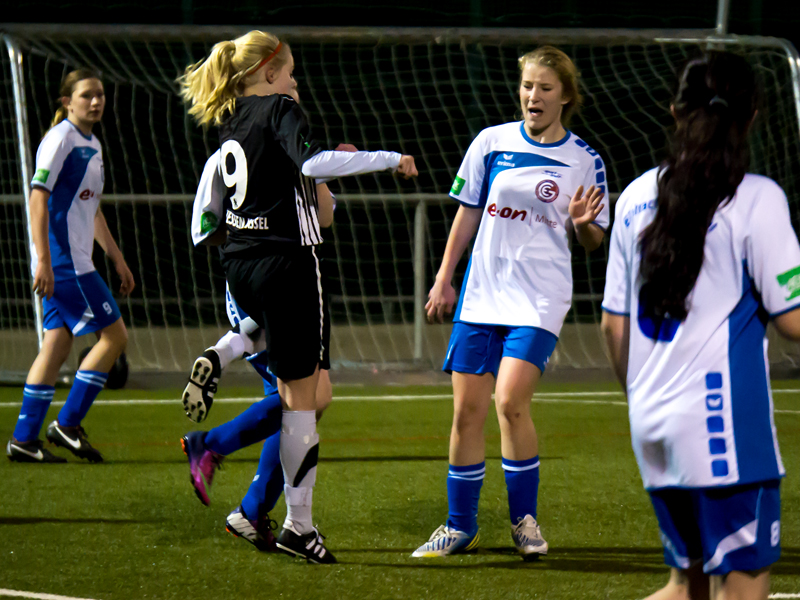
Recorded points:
(702, 256)
(65, 221)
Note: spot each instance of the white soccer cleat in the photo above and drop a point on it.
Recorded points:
(528, 538)
(445, 541)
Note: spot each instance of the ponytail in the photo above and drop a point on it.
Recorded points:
(708, 158)
(211, 86)
(65, 91)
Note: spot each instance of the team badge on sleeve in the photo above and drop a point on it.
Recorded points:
(791, 281)
(208, 222)
(41, 175)
(458, 185)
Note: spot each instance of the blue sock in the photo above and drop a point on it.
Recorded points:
(522, 482)
(463, 493)
(267, 485)
(36, 400)
(84, 390)
(257, 423)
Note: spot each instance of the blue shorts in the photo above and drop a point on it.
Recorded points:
(477, 349)
(82, 304)
(735, 528)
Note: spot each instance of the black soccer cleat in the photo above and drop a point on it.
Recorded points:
(31, 452)
(308, 545)
(74, 440)
(259, 532)
(198, 396)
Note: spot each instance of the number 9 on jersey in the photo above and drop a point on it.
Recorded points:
(237, 178)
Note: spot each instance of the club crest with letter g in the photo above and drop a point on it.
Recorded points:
(547, 190)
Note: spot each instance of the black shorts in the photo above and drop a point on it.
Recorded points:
(282, 292)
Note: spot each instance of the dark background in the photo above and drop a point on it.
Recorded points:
(752, 17)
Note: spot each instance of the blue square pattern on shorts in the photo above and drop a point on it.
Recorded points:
(734, 528)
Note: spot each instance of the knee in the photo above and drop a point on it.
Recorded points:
(467, 417)
(512, 409)
(119, 339)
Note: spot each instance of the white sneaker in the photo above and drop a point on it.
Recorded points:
(446, 541)
(528, 538)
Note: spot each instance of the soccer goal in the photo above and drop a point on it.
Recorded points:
(424, 92)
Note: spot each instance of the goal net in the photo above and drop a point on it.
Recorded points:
(419, 91)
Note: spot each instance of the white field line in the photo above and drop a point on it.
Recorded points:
(552, 397)
(784, 595)
(35, 595)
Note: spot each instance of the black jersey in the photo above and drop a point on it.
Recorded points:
(263, 146)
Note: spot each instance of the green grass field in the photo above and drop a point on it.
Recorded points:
(133, 528)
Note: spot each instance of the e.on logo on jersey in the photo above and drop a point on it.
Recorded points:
(506, 212)
(86, 194)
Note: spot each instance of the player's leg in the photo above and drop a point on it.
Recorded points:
(472, 357)
(526, 351)
(245, 339)
(25, 445)
(739, 585)
(283, 293)
(85, 305)
(688, 584)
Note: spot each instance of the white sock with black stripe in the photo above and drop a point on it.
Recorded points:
(299, 452)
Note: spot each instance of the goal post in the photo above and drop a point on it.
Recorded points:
(425, 92)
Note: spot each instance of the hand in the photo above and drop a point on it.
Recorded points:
(584, 208)
(125, 275)
(406, 168)
(441, 299)
(346, 148)
(44, 280)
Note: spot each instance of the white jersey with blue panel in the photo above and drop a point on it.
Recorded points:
(69, 165)
(698, 391)
(520, 271)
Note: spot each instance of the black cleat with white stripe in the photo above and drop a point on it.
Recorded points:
(31, 452)
(74, 440)
(307, 545)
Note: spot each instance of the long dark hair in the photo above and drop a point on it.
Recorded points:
(708, 158)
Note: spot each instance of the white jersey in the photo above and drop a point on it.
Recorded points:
(69, 165)
(520, 272)
(698, 391)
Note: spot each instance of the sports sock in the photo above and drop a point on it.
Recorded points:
(252, 336)
(36, 400)
(522, 482)
(463, 493)
(85, 387)
(257, 423)
(230, 347)
(299, 452)
(267, 485)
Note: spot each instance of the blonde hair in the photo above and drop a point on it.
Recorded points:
(211, 86)
(66, 89)
(567, 72)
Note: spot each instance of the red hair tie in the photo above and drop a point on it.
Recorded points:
(266, 60)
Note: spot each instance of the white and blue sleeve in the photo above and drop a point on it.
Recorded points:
(50, 157)
(596, 176)
(772, 251)
(468, 185)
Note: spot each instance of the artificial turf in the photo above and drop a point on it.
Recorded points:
(132, 527)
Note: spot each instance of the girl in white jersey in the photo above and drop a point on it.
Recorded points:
(702, 256)
(65, 221)
(272, 216)
(526, 187)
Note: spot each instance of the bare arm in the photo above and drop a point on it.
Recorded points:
(103, 236)
(442, 295)
(325, 200)
(616, 331)
(590, 236)
(788, 325)
(43, 278)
